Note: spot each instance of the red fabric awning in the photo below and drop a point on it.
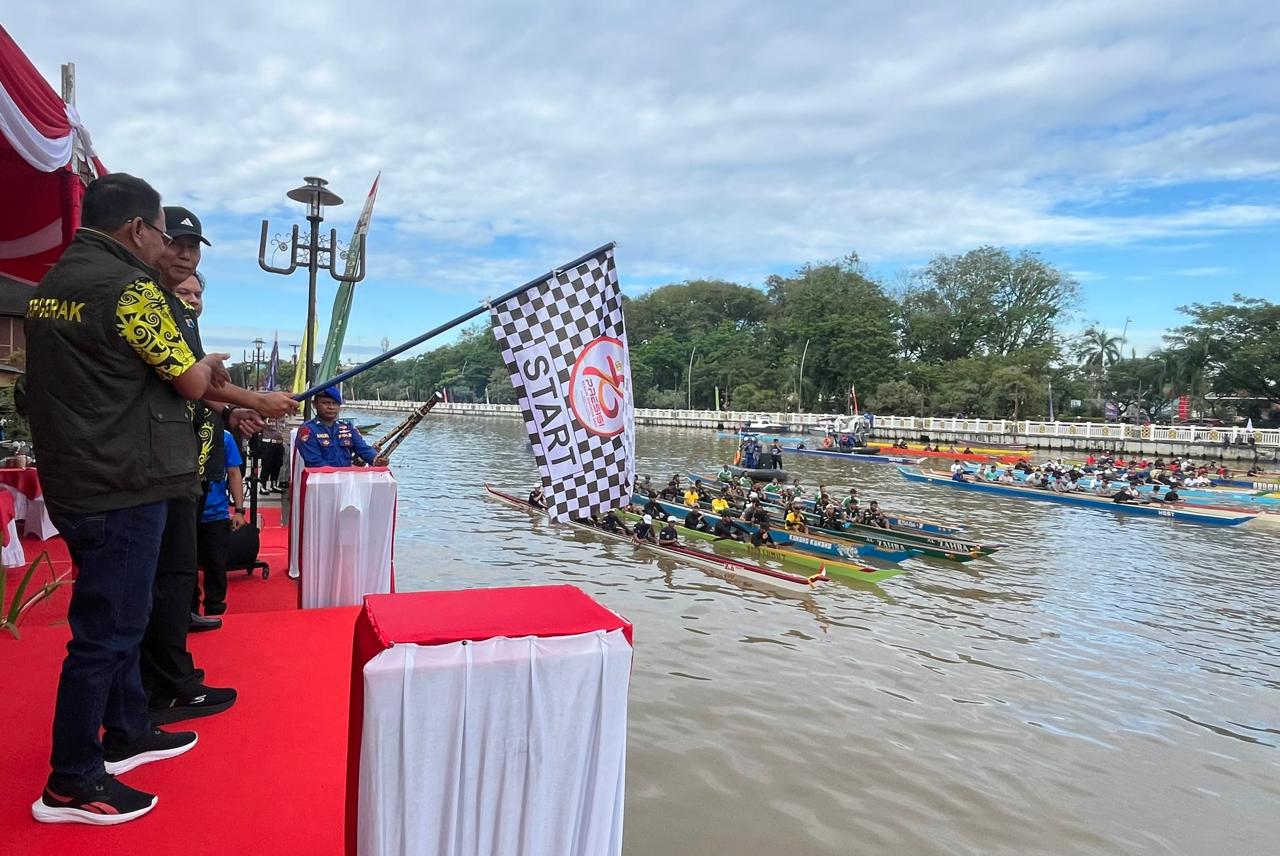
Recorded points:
(39, 140)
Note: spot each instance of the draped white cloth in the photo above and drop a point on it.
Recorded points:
(44, 153)
(12, 555)
(347, 529)
(504, 746)
(33, 513)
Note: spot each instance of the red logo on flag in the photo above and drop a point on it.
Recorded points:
(597, 387)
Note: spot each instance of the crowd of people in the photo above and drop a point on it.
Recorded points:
(752, 455)
(755, 502)
(1108, 476)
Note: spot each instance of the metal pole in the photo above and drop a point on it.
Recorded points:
(312, 267)
(800, 385)
(690, 376)
(445, 327)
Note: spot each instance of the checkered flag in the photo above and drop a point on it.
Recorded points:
(565, 345)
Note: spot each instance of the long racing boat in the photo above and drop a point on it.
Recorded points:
(718, 565)
(838, 548)
(833, 567)
(897, 522)
(1207, 516)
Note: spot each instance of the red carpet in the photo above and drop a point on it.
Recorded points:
(266, 777)
(244, 593)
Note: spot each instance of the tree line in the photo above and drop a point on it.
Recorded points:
(984, 334)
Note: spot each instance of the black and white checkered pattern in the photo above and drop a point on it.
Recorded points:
(568, 311)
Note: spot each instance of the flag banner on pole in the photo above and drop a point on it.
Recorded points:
(345, 296)
(300, 368)
(565, 344)
(273, 366)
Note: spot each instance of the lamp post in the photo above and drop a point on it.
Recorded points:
(800, 383)
(315, 196)
(689, 405)
(258, 353)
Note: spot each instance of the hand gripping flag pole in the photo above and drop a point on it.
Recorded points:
(448, 325)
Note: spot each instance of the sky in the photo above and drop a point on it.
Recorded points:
(1133, 145)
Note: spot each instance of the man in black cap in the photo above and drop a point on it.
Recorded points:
(175, 686)
(108, 372)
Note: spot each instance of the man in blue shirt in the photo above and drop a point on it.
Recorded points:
(327, 441)
(214, 534)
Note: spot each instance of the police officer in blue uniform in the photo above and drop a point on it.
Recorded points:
(327, 441)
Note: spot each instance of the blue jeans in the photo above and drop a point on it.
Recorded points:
(100, 687)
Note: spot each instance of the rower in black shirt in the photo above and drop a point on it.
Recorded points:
(668, 536)
(762, 538)
(726, 528)
(653, 508)
(644, 531)
(536, 498)
(696, 521)
(613, 523)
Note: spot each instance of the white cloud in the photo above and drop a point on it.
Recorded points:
(711, 139)
(1202, 271)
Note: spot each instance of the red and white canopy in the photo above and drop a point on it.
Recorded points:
(41, 140)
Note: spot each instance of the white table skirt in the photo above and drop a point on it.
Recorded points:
(505, 746)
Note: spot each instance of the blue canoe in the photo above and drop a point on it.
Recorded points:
(1207, 516)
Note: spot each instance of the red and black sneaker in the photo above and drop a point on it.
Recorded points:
(104, 804)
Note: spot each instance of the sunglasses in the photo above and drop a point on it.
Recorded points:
(164, 236)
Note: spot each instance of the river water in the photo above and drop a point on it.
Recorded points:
(1103, 685)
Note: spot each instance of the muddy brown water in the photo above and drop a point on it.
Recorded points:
(1103, 685)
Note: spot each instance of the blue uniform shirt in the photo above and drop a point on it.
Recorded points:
(336, 445)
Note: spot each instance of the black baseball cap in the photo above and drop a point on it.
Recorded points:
(180, 221)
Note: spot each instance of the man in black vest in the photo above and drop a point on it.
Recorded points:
(175, 686)
(108, 383)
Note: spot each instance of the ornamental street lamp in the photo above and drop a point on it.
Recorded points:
(315, 254)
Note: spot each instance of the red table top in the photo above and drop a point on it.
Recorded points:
(441, 617)
(25, 481)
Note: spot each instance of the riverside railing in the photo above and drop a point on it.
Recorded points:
(1020, 430)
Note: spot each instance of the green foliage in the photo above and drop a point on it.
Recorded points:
(985, 302)
(13, 609)
(896, 398)
(976, 334)
(1234, 344)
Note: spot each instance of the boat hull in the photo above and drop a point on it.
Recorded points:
(833, 567)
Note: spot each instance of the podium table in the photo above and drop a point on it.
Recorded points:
(488, 721)
(344, 523)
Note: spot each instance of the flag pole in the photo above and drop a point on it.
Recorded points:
(448, 325)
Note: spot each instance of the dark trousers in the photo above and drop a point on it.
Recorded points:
(212, 541)
(777, 461)
(272, 461)
(115, 553)
(167, 668)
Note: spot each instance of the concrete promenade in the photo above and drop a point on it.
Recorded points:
(1067, 437)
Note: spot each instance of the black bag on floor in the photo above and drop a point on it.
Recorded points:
(242, 551)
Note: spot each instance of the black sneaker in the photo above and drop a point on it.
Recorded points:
(104, 804)
(202, 701)
(155, 745)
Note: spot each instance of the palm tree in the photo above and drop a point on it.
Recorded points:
(1097, 349)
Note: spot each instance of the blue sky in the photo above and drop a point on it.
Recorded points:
(1133, 145)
